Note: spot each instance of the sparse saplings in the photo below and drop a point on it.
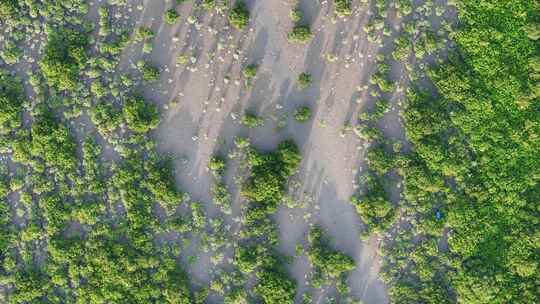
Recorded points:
(171, 16)
(239, 15)
(304, 80)
(302, 114)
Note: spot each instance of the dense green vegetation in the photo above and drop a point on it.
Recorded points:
(472, 174)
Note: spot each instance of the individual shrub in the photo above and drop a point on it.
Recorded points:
(380, 161)
(249, 73)
(275, 286)
(269, 173)
(217, 164)
(171, 16)
(140, 116)
(343, 8)
(239, 15)
(327, 262)
(9, 9)
(302, 114)
(208, 4)
(251, 120)
(143, 33)
(295, 15)
(304, 80)
(374, 207)
(300, 34)
(149, 72)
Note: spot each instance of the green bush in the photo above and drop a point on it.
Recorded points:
(140, 116)
(11, 102)
(239, 15)
(343, 8)
(249, 73)
(269, 174)
(150, 73)
(171, 16)
(304, 80)
(300, 34)
(326, 261)
(251, 120)
(274, 286)
(302, 114)
(208, 4)
(65, 55)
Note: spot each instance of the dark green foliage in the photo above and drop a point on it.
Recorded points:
(239, 15)
(65, 56)
(171, 16)
(11, 102)
(300, 34)
(302, 114)
(140, 115)
(304, 80)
